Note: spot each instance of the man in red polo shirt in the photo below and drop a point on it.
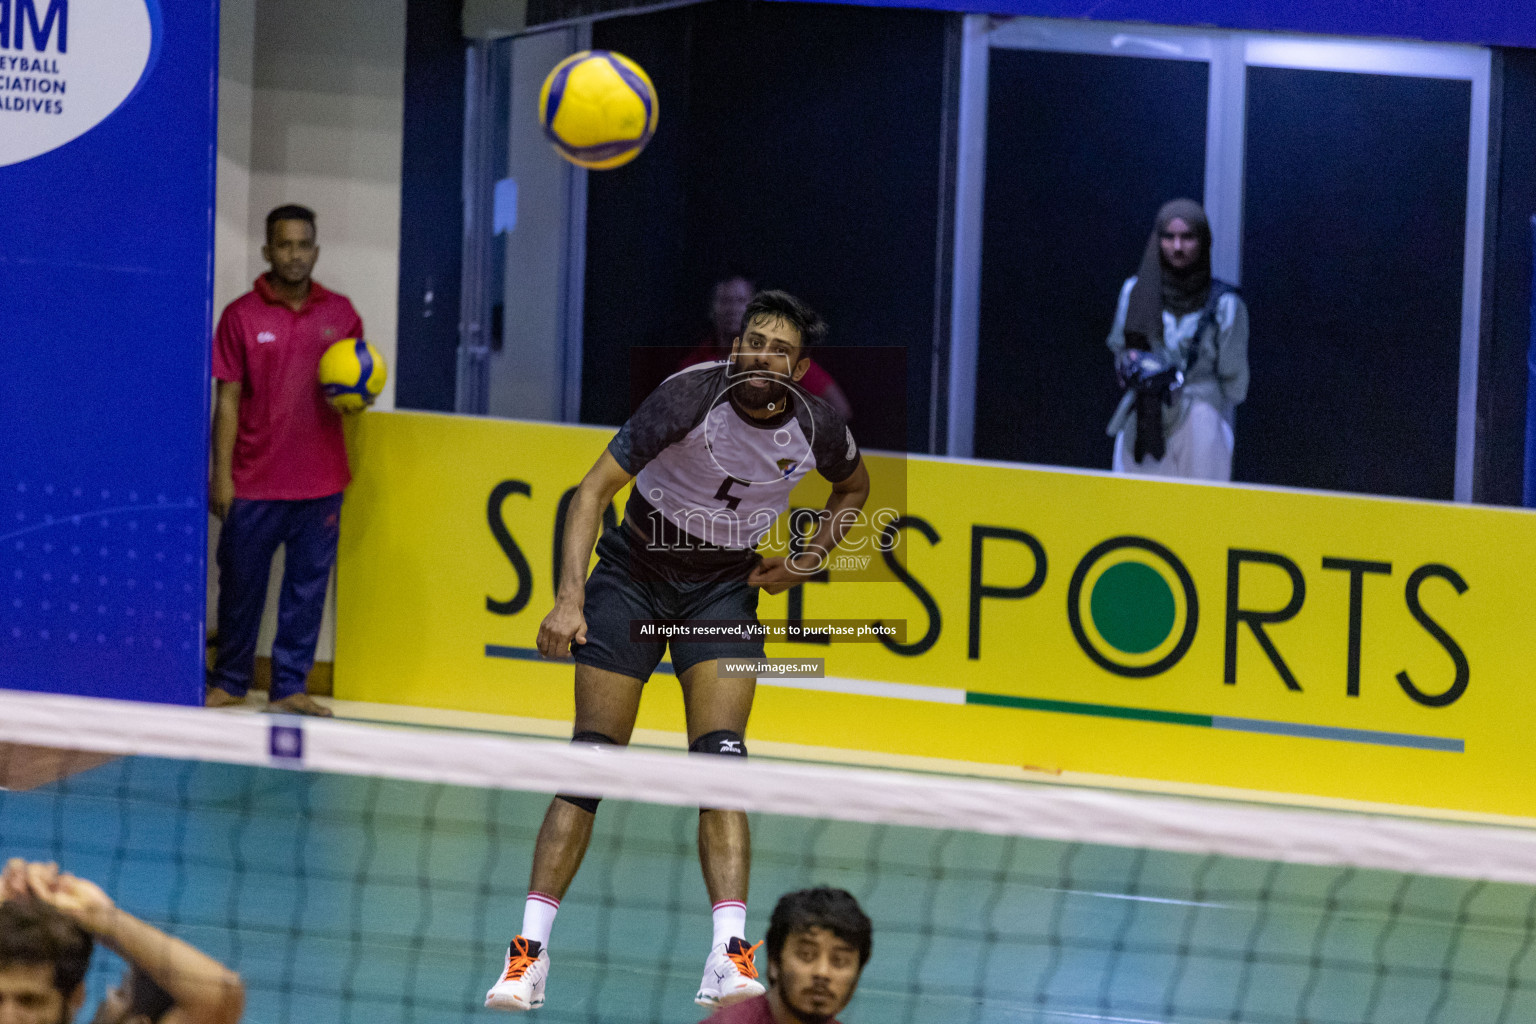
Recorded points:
(279, 464)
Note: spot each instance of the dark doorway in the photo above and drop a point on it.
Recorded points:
(1081, 151)
(1355, 199)
(799, 143)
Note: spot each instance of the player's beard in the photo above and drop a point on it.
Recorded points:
(292, 274)
(748, 396)
(809, 1016)
(813, 1018)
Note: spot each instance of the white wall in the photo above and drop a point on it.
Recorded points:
(311, 100)
(326, 132)
(232, 273)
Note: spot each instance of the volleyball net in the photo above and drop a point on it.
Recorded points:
(356, 872)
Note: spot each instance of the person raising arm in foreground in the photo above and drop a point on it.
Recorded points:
(49, 923)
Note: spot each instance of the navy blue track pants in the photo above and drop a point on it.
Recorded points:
(250, 537)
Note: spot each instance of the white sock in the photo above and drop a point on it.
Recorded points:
(539, 917)
(730, 921)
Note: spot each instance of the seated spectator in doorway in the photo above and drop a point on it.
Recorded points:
(1180, 340)
(49, 924)
(728, 302)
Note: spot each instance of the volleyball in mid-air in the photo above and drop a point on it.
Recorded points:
(352, 373)
(598, 108)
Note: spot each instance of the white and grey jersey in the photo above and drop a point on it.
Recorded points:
(715, 473)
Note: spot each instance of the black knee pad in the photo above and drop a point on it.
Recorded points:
(725, 742)
(588, 803)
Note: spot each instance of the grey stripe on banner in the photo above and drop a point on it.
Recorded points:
(1329, 732)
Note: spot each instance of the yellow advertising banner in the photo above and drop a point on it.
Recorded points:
(1289, 642)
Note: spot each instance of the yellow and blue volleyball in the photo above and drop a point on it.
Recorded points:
(598, 109)
(352, 373)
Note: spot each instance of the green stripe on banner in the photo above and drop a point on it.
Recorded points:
(1068, 707)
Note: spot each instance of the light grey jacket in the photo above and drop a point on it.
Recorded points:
(1218, 374)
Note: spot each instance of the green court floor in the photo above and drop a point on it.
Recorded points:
(346, 900)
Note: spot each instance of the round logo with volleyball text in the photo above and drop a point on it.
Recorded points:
(1133, 607)
(66, 68)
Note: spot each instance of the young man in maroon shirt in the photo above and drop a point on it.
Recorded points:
(818, 943)
(279, 464)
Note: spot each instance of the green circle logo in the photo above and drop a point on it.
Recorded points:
(1132, 607)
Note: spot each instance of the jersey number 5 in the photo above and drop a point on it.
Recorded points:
(725, 495)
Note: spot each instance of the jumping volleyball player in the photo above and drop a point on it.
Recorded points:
(714, 453)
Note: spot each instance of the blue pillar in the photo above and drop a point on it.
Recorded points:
(105, 294)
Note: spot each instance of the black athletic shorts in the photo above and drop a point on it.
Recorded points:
(626, 586)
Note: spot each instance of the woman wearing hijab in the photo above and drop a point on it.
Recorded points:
(1175, 317)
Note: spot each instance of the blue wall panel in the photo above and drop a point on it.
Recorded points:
(105, 303)
(1489, 22)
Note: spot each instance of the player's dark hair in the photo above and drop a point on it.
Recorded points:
(147, 998)
(34, 934)
(784, 306)
(833, 909)
(292, 211)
